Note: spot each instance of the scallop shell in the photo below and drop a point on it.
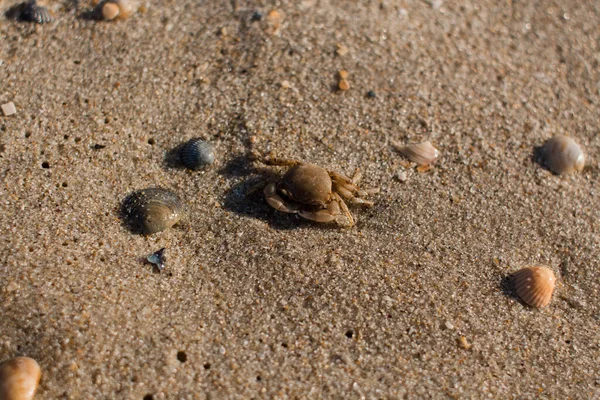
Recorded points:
(33, 12)
(534, 285)
(197, 153)
(152, 210)
(19, 378)
(421, 153)
(563, 155)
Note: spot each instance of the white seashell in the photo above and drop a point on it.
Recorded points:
(421, 153)
(563, 155)
(19, 378)
(534, 285)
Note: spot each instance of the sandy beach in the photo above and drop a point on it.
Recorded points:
(414, 301)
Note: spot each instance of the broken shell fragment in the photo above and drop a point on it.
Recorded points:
(420, 153)
(19, 378)
(152, 210)
(534, 285)
(563, 155)
(197, 153)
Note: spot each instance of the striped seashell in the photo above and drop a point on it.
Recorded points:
(152, 210)
(535, 285)
(420, 153)
(197, 153)
(33, 12)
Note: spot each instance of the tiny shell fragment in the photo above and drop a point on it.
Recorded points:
(420, 153)
(9, 108)
(19, 378)
(563, 155)
(534, 285)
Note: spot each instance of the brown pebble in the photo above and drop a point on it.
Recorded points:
(19, 378)
(343, 74)
(344, 85)
(110, 11)
(424, 168)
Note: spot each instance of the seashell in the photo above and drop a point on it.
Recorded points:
(110, 11)
(152, 210)
(421, 153)
(563, 155)
(126, 7)
(197, 153)
(534, 285)
(19, 378)
(33, 12)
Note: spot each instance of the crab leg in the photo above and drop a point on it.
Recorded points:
(275, 201)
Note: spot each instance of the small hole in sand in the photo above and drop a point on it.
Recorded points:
(151, 142)
(349, 333)
(181, 356)
(45, 165)
(207, 366)
(258, 378)
(148, 397)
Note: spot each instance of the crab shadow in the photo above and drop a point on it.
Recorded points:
(246, 197)
(15, 12)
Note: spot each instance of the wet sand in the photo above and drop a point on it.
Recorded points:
(254, 303)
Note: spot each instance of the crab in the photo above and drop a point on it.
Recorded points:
(314, 193)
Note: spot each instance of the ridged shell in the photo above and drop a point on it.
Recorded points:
(32, 12)
(197, 153)
(152, 210)
(421, 153)
(534, 285)
(19, 378)
(563, 155)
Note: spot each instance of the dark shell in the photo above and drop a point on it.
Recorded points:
(152, 210)
(34, 13)
(197, 153)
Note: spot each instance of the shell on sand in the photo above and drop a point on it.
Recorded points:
(563, 155)
(152, 210)
(421, 153)
(110, 11)
(19, 378)
(535, 285)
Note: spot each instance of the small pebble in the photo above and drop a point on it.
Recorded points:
(341, 50)
(402, 176)
(110, 11)
(256, 16)
(344, 85)
(371, 94)
(462, 342)
(343, 74)
(9, 108)
(19, 378)
(11, 287)
(286, 84)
